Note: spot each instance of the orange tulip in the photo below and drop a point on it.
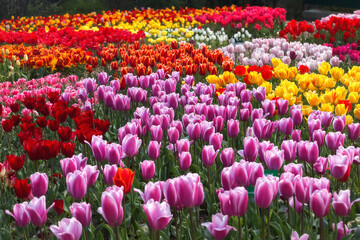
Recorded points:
(124, 177)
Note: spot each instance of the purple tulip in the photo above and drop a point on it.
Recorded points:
(250, 149)
(320, 166)
(302, 189)
(274, 158)
(156, 133)
(91, 174)
(206, 130)
(233, 202)
(39, 184)
(268, 107)
(183, 145)
(283, 106)
(82, 212)
(227, 157)
(263, 128)
(173, 135)
(37, 212)
(339, 123)
(244, 114)
(209, 155)
(83, 96)
(67, 229)
(295, 236)
(308, 151)
(286, 185)
(218, 227)
(76, 162)
(147, 169)
(115, 84)
(326, 119)
(265, 190)
(154, 149)
(103, 78)
(259, 93)
(184, 160)
(299, 205)
(257, 113)
(293, 168)
(90, 85)
(354, 131)
(290, 149)
(319, 137)
(121, 102)
(98, 146)
(131, 145)
(233, 128)
(144, 82)
(193, 131)
(114, 153)
(190, 190)
(286, 126)
(231, 112)
(256, 171)
(130, 80)
(247, 105)
(169, 85)
(158, 214)
(320, 202)
(77, 184)
(341, 203)
(136, 94)
(111, 208)
(228, 179)
(341, 232)
(296, 135)
(109, 173)
(240, 173)
(19, 214)
(263, 147)
(216, 139)
(340, 166)
(334, 140)
(170, 192)
(152, 191)
(218, 123)
(296, 114)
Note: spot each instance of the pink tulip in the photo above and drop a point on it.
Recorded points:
(82, 212)
(158, 214)
(339, 123)
(320, 202)
(111, 207)
(76, 162)
(290, 149)
(321, 165)
(37, 212)
(296, 135)
(39, 184)
(147, 169)
(340, 166)
(308, 151)
(227, 157)
(173, 135)
(274, 158)
(341, 203)
(334, 140)
(131, 145)
(341, 232)
(250, 149)
(98, 146)
(152, 191)
(263, 147)
(190, 190)
(354, 131)
(265, 190)
(240, 173)
(184, 160)
(293, 168)
(216, 139)
(209, 155)
(154, 149)
(91, 174)
(228, 179)
(77, 184)
(67, 229)
(286, 126)
(193, 131)
(233, 128)
(218, 227)
(286, 185)
(170, 192)
(114, 153)
(302, 189)
(109, 173)
(19, 214)
(233, 202)
(295, 236)
(183, 145)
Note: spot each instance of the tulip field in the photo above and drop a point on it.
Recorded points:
(224, 123)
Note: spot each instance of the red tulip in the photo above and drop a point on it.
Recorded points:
(7, 125)
(22, 188)
(124, 177)
(15, 163)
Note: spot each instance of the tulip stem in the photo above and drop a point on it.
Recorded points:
(262, 224)
(268, 223)
(116, 233)
(288, 206)
(208, 176)
(45, 232)
(246, 227)
(302, 220)
(192, 224)
(239, 227)
(321, 229)
(344, 225)
(176, 225)
(24, 233)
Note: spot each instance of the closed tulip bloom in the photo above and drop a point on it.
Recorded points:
(326, 119)
(228, 179)
(233, 202)
(339, 123)
(293, 168)
(218, 227)
(296, 135)
(37, 212)
(114, 153)
(173, 135)
(77, 184)
(290, 149)
(109, 173)
(264, 192)
(295, 236)
(233, 128)
(189, 190)
(152, 191)
(257, 171)
(98, 146)
(268, 107)
(354, 131)
(250, 149)
(184, 160)
(121, 102)
(334, 140)
(103, 78)
(286, 185)
(320, 202)
(263, 147)
(158, 214)
(308, 151)
(227, 157)
(90, 85)
(39, 184)
(82, 212)
(156, 133)
(206, 130)
(209, 155)
(257, 113)
(111, 208)
(302, 189)
(319, 136)
(299, 205)
(283, 106)
(76, 162)
(183, 145)
(193, 131)
(259, 93)
(318, 184)
(131, 145)
(170, 192)
(341, 203)
(340, 167)
(19, 214)
(216, 140)
(67, 229)
(147, 169)
(247, 105)
(244, 114)
(274, 158)
(341, 232)
(286, 126)
(91, 174)
(321, 165)
(296, 115)
(240, 172)
(124, 177)
(245, 96)
(154, 149)
(218, 123)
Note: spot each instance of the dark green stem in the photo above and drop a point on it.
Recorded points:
(321, 229)
(192, 224)
(239, 227)
(262, 224)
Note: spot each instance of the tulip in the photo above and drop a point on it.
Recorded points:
(268, 107)
(233, 202)
(184, 160)
(173, 135)
(334, 140)
(354, 131)
(342, 230)
(91, 174)
(154, 149)
(111, 208)
(302, 189)
(308, 151)
(209, 155)
(39, 184)
(298, 205)
(339, 123)
(158, 214)
(82, 212)
(37, 212)
(282, 106)
(318, 184)
(296, 135)
(227, 157)
(319, 136)
(98, 146)
(193, 130)
(77, 184)
(19, 214)
(76, 162)
(170, 192)
(233, 128)
(286, 126)
(103, 78)
(131, 145)
(341, 203)
(250, 149)
(183, 145)
(147, 169)
(274, 158)
(263, 147)
(228, 179)
(257, 113)
(265, 190)
(156, 133)
(340, 167)
(216, 139)
(293, 168)
(320, 202)
(295, 236)
(296, 115)
(114, 153)
(259, 93)
(109, 173)
(320, 165)
(124, 177)
(67, 229)
(245, 96)
(289, 147)
(244, 114)
(190, 190)
(152, 191)
(90, 85)
(218, 227)
(286, 185)
(218, 123)
(256, 171)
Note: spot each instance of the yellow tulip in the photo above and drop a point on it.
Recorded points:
(336, 73)
(306, 110)
(353, 97)
(349, 119)
(268, 86)
(326, 107)
(357, 111)
(324, 68)
(329, 83)
(276, 62)
(340, 109)
(312, 98)
(280, 72)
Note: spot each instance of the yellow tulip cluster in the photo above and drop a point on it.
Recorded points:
(221, 80)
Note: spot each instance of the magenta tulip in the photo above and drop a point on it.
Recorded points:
(295, 236)
(274, 158)
(233, 128)
(302, 189)
(339, 123)
(39, 184)
(67, 229)
(152, 191)
(334, 140)
(227, 157)
(341, 203)
(82, 212)
(218, 227)
(147, 169)
(77, 184)
(111, 208)
(290, 149)
(209, 155)
(233, 202)
(158, 214)
(154, 149)
(131, 145)
(91, 174)
(293, 168)
(216, 140)
(170, 192)
(321, 165)
(320, 202)
(354, 131)
(286, 126)
(109, 173)
(250, 149)
(265, 190)
(184, 160)
(37, 212)
(183, 145)
(114, 153)
(19, 214)
(286, 185)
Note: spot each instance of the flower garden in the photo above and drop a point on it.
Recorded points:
(225, 123)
